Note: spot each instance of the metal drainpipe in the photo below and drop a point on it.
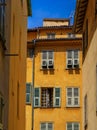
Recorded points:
(33, 74)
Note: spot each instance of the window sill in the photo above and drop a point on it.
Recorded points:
(72, 68)
(47, 69)
(72, 106)
(28, 103)
(47, 107)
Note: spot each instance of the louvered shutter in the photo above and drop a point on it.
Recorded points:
(36, 97)
(56, 97)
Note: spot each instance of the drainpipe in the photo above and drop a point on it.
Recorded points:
(33, 75)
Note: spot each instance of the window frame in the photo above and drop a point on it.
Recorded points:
(46, 123)
(47, 59)
(72, 59)
(72, 97)
(72, 125)
(28, 93)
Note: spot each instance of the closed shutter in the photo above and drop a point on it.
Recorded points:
(37, 97)
(56, 97)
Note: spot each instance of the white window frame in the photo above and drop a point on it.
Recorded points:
(29, 102)
(47, 60)
(47, 125)
(73, 97)
(72, 59)
(73, 125)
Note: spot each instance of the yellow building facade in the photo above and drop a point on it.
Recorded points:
(13, 37)
(86, 23)
(54, 78)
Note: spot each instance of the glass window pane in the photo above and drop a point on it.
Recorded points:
(49, 126)
(36, 102)
(57, 92)
(44, 55)
(76, 126)
(76, 54)
(69, 126)
(69, 92)
(50, 55)
(76, 92)
(27, 97)
(43, 126)
(69, 101)
(36, 92)
(75, 101)
(28, 87)
(57, 101)
(69, 54)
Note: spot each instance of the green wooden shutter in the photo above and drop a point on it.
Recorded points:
(36, 97)
(56, 97)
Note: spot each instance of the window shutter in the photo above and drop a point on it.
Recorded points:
(56, 97)
(28, 93)
(36, 97)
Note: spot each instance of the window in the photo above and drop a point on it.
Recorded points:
(47, 60)
(1, 112)
(28, 93)
(46, 126)
(85, 111)
(72, 126)
(51, 35)
(71, 35)
(72, 59)
(2, 18)
(72, 97)
(47, 97)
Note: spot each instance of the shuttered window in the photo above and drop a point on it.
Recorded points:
(72, 59)
(47, 60)
(57, 97)
(28, 93)
(72, 97)
(46, 126)
(73, 126)
(37, 97)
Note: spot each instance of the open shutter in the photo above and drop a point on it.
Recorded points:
(56, 97)
(36, 97)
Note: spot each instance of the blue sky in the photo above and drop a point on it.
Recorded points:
(50, 9)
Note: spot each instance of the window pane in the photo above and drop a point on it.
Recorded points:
(69, 92)
(57, 102)
(50, 55)
(76, 54)
(57, 92)
(76, 126)
(27, 97)
(69, 54)
(43, 126)
(36, 92)
(49, 126)
(69, 101)
(44, 55)
(28, 88)
(75, 101)
(69, 126)
(36, 102)
(76, 92)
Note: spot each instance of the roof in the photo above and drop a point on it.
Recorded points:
(80, 12)
(50, 27)
(56, 19)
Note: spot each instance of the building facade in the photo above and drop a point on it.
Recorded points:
(54, 77)
(86, 23)
(13, 37)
